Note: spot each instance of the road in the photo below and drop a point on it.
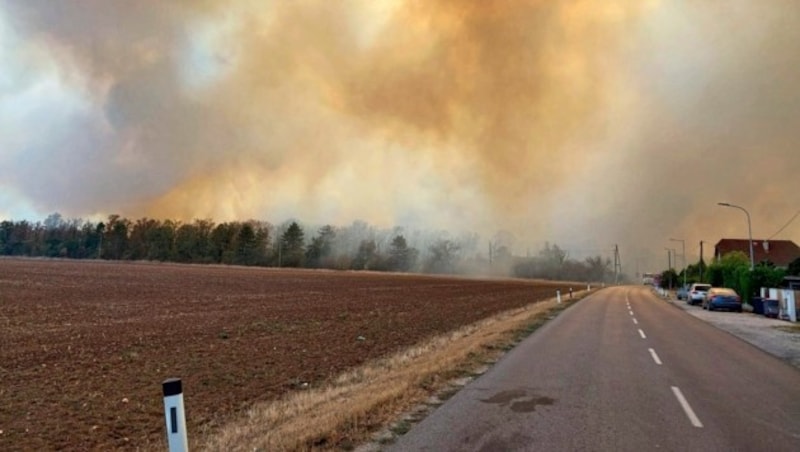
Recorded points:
(622, 370)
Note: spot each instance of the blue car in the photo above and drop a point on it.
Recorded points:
(722, 298)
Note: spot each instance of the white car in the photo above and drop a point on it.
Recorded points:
(697, 293)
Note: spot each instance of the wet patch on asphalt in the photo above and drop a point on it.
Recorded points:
(519, 400)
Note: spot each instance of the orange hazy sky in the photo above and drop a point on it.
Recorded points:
(583, 123)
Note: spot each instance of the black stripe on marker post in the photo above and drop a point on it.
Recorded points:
(172, 387)
(173, 415)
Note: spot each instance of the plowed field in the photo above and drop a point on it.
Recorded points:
(85, 345)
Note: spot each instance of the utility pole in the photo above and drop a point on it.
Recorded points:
(669, 265)
(683, 256)
(701, 263)
(617, 265)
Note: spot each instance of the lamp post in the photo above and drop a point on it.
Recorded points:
(749, 229)
(683, 257)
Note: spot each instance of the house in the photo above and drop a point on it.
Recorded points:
(791, 283)
(779, 252)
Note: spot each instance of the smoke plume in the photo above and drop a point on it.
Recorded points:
(578, 122)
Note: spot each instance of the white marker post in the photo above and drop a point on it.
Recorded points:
(176, 420)
(588, 287)
(558, 296)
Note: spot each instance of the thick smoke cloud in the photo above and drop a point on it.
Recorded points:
(581, 122)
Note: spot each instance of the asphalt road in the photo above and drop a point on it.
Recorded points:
(623, 371)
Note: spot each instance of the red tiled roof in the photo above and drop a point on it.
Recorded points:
(779, 252)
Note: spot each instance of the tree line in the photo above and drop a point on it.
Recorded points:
(258, 243)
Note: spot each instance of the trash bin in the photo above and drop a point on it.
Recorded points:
(772, 308)
(758, 305)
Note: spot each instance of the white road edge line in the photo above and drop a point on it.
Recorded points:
(635, 322)
(641, 333)
(686, 408)
(655, 356)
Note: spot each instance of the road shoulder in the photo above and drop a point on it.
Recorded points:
(764, 333)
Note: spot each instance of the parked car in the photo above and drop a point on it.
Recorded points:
(697, 293)
(772, 308)
(722, 298)
(682, 292)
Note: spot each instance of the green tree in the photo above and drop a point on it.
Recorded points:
(193, 242)
(598, 269)
(162, 241)
(185, 243)
(292, 246)
(251, 244)
(17, 238)
(733, 271)
(765, 275)
(367, 256)
(714, 275)
(552, 260)
(115, 242)
(222, 243)
(669, 279)
(794, 268)
(6, 233)
(443, 257)
(140, 238)
(402, 258)
(94, 241)
(319, 251)
(55, 236)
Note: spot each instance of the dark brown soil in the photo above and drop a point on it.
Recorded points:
(85, 345)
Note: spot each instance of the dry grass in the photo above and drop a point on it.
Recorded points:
(789, 328)
(351, 409)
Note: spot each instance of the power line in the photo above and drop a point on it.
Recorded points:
(784, 226)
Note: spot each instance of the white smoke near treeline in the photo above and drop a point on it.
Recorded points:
(583, 123)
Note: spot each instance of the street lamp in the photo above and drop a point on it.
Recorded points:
(749, 229)
(683, 256)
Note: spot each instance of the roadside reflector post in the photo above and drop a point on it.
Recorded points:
(570, 293)
(588, 287)
(558, 296)
(174, 413)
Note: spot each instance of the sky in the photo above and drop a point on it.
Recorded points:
(583, 123)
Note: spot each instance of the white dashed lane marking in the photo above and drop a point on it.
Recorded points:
(686, 407)
(675, 390)
(655, 356)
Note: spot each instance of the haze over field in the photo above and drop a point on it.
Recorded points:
(581, 122)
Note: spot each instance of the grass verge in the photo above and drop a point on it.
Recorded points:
(356, 407)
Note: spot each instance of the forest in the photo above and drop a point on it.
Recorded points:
(358, 246)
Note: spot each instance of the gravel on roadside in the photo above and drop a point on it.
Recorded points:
(760, 331)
